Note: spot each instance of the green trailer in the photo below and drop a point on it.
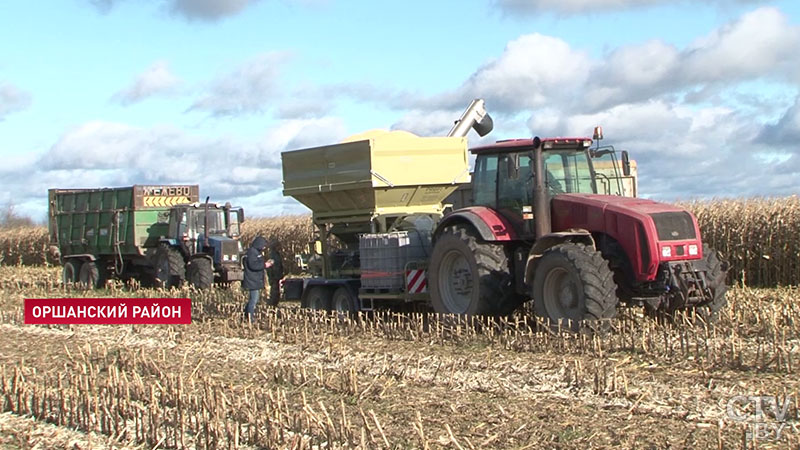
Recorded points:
(155, 234)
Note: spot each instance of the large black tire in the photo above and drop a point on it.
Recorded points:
(471, 277)
(69, 273)
(572, 284)
(716, 281)
(319, 298)
(343, 301)
(200, 273)
(89, 276)
(170, 268)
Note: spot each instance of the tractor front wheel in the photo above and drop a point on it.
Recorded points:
(573, 283)
(716, 282)
(200, 273)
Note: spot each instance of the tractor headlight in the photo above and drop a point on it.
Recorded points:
(234, 257)
(226, 257)
(666, 251)
(693, 250)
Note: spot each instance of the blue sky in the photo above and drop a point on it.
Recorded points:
(704, 94)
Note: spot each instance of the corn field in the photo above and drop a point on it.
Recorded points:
(304, 379)
(758, 236)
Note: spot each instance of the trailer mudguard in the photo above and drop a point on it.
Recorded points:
(490, 225)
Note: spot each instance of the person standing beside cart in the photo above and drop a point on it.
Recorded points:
(253, 282)
(274, 272)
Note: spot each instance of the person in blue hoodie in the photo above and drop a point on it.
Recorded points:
(254, 266)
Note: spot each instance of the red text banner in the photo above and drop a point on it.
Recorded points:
(108, 311)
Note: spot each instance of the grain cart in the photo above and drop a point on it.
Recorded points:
(150, 233)
(537, 228)
(380, 194)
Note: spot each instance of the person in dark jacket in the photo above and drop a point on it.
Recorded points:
(253, 281)
(274, 273)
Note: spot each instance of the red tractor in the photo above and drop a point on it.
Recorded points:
(538, 229)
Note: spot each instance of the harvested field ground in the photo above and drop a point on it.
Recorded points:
(298, 379)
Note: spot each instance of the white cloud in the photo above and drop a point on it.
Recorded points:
(536, 71)
(760, 43)
(103, 154)
(533, 70)
(427, 123)
(12, 99)
(759, 46)
(250, 88)
(682, 152)
(785, 133)
(156, 80)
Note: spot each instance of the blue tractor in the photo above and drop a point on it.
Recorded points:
(203, 246)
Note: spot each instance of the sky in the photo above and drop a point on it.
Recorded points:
(704, 94)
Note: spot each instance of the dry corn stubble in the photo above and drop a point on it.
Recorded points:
(300, 378)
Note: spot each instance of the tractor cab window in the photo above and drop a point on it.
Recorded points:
(182, 225)
(568, 171)
(234, 226)
(608, 174)
(216, 221)
(515, 187)
(485, 183)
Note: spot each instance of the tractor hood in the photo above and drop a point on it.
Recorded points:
(226, 250)
(650, 232)
(615, 203)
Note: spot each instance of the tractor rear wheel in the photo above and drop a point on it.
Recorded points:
(170, 268)
(200, 273)
(319, 298)
(469, 276)
(69, 273)
(573, 283)
(89, 276)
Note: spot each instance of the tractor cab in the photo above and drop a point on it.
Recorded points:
(210, 231)
(505, 174)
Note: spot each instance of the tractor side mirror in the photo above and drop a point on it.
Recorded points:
(626, 163)
(240, 215)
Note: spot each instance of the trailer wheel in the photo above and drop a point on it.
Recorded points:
(469, 276)
(89, 276)
(200, 273)
(319, 298)
(343, 301)
(69, 273)
(573, 283)
(170, 269)
(716, 281)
